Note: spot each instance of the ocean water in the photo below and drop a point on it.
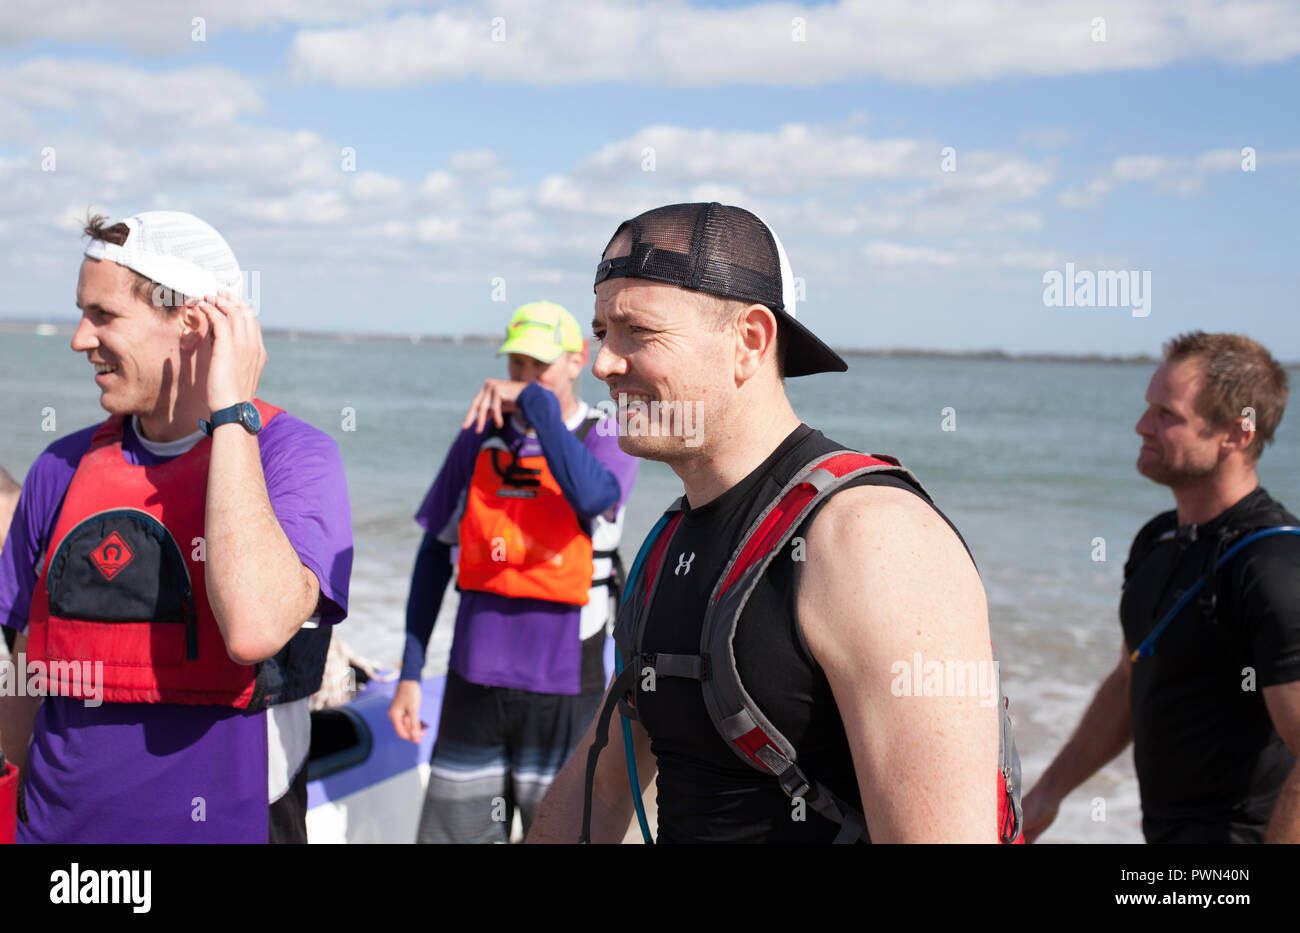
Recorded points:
(1038, 467)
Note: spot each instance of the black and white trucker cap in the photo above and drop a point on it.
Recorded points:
(724, 251)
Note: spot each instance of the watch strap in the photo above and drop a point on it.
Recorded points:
(232, 413)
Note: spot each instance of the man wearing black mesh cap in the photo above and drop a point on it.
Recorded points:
(824, 608)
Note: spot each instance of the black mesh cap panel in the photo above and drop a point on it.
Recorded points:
(724, 251)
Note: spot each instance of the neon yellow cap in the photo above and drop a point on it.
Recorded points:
(542, 330)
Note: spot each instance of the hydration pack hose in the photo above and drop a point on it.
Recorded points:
(1148, 646)
(628, 745)
(630, 752)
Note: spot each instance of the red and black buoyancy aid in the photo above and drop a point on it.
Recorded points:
(733, 712)
(122, 598)
(518, 535)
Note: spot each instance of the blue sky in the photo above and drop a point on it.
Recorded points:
(512, 156)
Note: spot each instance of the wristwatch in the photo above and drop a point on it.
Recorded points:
(245, 413)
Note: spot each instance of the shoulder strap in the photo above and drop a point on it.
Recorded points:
(1154, 540)
(731, 709)
(738, 719)
(747, 731)
(642, 582)
(651, 552)
(1148, 646)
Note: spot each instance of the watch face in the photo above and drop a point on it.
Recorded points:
(249, 417)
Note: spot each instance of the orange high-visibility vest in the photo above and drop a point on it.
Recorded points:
(519, 536)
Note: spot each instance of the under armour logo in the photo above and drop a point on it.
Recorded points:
(683, 563)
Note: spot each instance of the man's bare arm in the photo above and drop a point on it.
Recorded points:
(887, 579)
(1283, 702)
(559, 816)
(17, 716)
(1105, 730)
(259, 590)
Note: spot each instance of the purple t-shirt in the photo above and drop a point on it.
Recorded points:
(503, 641)
(157, 772)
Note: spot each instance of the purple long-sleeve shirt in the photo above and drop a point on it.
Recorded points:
(501, 641)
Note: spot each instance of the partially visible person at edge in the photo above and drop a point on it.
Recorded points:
(9, 491)
(694, 304)
(527, 510)
(1213, 711)
(201, 562)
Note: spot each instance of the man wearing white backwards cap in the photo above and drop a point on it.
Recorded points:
(174, 570)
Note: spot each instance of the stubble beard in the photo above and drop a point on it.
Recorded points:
(1175, 476)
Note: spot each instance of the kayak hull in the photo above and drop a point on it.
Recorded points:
(370, 790)
(364, 784)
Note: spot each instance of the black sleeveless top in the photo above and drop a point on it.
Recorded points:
(706, 792)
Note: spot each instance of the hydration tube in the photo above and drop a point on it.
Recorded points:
(1148, 646)
(630, 753)
(628, 746)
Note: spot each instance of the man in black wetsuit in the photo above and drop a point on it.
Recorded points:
(1212, 702)
(694, 307)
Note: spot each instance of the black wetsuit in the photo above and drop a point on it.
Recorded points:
(1209, 762)
(706, 793)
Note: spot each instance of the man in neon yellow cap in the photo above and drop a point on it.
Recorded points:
(527, 511)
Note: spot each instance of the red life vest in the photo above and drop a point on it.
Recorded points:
(731, 709)
(519, 536)
(122, 594)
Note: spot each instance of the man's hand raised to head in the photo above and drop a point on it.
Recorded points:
(235, 345)
(495, 398)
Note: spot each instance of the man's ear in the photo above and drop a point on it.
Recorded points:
(755, 330)
(193, 325)
(1241, 433)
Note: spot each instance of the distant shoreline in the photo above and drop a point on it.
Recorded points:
(47, 328)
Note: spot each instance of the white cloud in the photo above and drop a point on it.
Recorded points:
(438, 183)
(1050, 137)
(439, 230)
(671, 42)
(1218, 160)
(304, 207)
(375, 186)
(843, 197)
(882, 253)
(1085, 195)
(480, 165)
(1141, 167)
(158, 26)
(128, 101)
(898, 254)
(794, 157)
(1178, 175)
(284, 193)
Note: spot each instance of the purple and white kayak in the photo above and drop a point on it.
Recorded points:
(364, 784)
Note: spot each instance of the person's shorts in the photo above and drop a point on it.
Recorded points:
(498, 749)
